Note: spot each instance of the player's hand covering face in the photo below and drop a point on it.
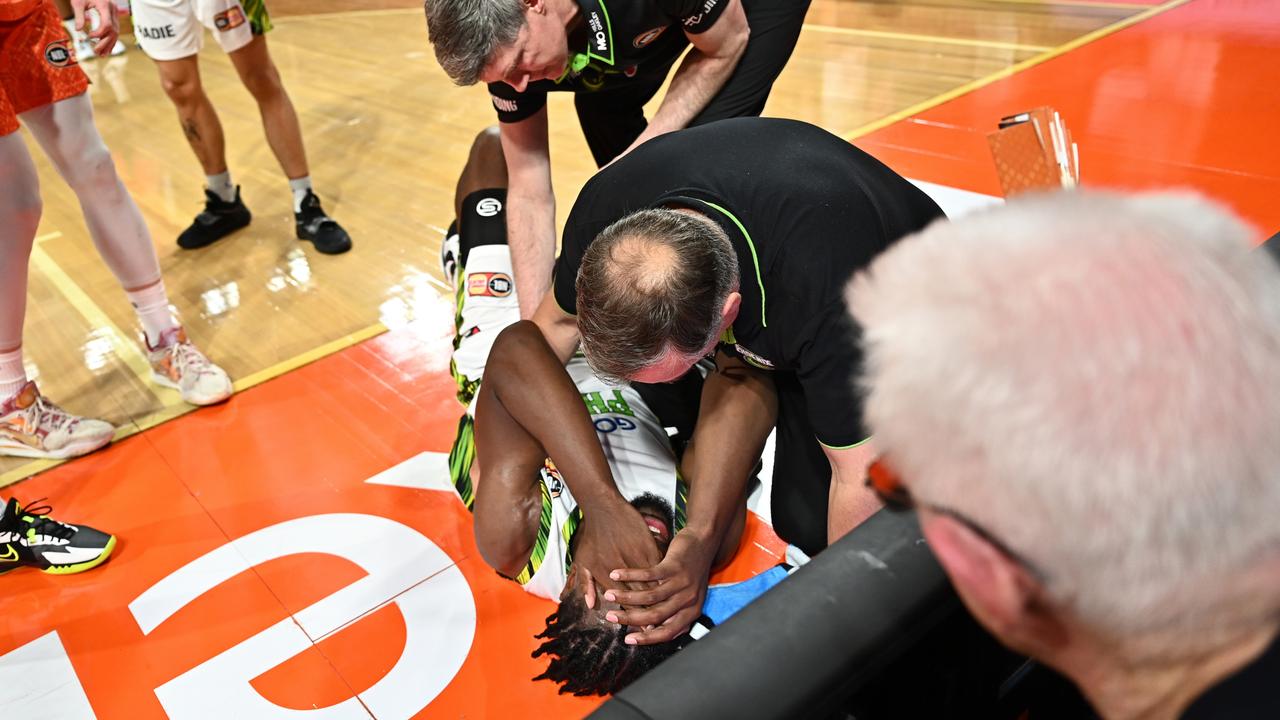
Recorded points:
(677, 588)
(615, 536)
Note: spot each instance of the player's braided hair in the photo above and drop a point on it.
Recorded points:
(590, 658)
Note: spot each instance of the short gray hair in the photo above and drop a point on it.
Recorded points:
(1096, 380)
(651, 283)
(466, 33)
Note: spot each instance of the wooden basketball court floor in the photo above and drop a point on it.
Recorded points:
(246, 579)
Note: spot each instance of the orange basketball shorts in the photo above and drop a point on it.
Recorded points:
(37, 65)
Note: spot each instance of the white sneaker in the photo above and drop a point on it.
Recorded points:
(178, 364)
(31, 426)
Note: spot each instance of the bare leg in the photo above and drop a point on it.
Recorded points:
(279, 120)
(20, 210)
(486, 167)
(181, 82)
(66, 131)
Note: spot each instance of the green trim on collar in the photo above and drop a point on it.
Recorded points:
(755, 259)
(608, 28)
(863, 441)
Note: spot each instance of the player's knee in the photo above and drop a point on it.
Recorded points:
(25, 207)
(184, 91)
(91, 169)
(486, 165)
(263, 82)
(488, 143)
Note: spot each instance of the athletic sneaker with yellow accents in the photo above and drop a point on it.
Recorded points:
(30, 538)
(31, 426)
(177, 364)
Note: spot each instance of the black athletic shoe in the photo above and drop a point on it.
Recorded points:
(30, 538)
(219, 219)
(323, 231)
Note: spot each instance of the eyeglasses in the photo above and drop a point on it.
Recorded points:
(885, 482)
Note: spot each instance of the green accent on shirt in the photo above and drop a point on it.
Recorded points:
(755, 259)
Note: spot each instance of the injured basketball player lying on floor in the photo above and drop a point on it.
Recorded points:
(529, 422)
(547, 441)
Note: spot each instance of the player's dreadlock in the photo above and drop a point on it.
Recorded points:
(590, 658)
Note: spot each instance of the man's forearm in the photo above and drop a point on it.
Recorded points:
(694, 84)
(739, 408)
(850, 501)
(534, 388)
(531, 234)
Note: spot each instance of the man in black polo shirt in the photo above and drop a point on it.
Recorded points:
(613, 55)
(741, 235)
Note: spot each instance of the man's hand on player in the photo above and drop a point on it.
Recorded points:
(668, 607)
(614, 535)
(105, 30)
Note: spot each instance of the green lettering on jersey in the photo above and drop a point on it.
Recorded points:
(619, 405)
(598, 405)
(595, 403)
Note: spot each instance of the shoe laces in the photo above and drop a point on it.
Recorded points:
(188, 359)
(45, 415)
(37, 520)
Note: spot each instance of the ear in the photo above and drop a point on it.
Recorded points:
(1000, 593)
(537, 6)
(729, 312)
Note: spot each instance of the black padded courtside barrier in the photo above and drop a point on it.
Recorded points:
(803, 648)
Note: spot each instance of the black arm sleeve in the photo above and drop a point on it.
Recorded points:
(513, 106)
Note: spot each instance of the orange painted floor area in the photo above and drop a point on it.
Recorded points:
(283, 551)
(1189, 98)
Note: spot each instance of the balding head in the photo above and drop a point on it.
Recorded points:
(652, 291)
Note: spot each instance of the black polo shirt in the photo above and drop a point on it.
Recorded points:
(804, 210)
(617, 41)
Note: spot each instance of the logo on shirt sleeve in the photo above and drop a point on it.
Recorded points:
(707, 7)
(648, 36)
(504, 105)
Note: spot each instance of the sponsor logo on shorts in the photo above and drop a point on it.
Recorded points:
(489, 285)
(629, 71)
(555, 483)
(58, 54)
(154, 33)
(488, 207)
(648, 36)
(504, 105)
(229, 19)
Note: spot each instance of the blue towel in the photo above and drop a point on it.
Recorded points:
(725, 600)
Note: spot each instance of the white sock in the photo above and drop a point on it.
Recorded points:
(13, 375)
(152, 306)
(221, 186)
(300, 187)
